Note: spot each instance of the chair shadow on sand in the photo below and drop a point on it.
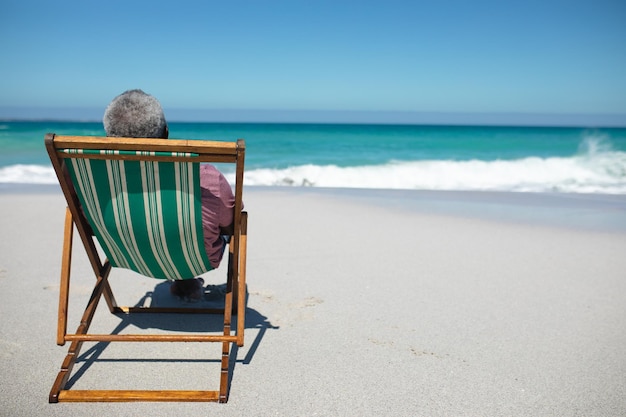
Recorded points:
(187, 323)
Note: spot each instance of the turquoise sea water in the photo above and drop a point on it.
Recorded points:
(540, 159)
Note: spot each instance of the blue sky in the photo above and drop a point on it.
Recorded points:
(264, 59)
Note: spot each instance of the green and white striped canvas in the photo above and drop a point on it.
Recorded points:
(146, 215)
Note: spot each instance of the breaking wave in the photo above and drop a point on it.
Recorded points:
(27, 174)
(594, 170)
(597, 168)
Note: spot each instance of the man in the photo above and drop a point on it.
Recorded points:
(137, 114)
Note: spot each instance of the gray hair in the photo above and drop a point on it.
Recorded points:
(135, 114)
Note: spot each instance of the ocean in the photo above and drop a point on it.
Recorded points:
(490, 158)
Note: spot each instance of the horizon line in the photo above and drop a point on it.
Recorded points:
(271, 116)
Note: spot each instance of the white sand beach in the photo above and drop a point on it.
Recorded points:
(362, 303)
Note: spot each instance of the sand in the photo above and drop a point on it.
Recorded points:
(362, 303)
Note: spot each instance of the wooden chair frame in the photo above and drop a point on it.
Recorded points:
(204, 151)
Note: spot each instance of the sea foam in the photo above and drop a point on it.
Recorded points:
(602, 172)
(27, 174)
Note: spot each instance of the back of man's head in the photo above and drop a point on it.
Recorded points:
(135, 114)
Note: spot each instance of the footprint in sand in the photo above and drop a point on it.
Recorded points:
(265, 296)
(8, 349)
(300, 311)
(307, 302)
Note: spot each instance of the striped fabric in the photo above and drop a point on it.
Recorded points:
(73, 151)
(146, 215)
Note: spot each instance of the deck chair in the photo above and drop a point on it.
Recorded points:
(139, 200)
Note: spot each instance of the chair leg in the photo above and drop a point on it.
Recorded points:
(230, 278)
(66, 265)
(229, 307)
(224, 374)
(66, 370)
(241, 282)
